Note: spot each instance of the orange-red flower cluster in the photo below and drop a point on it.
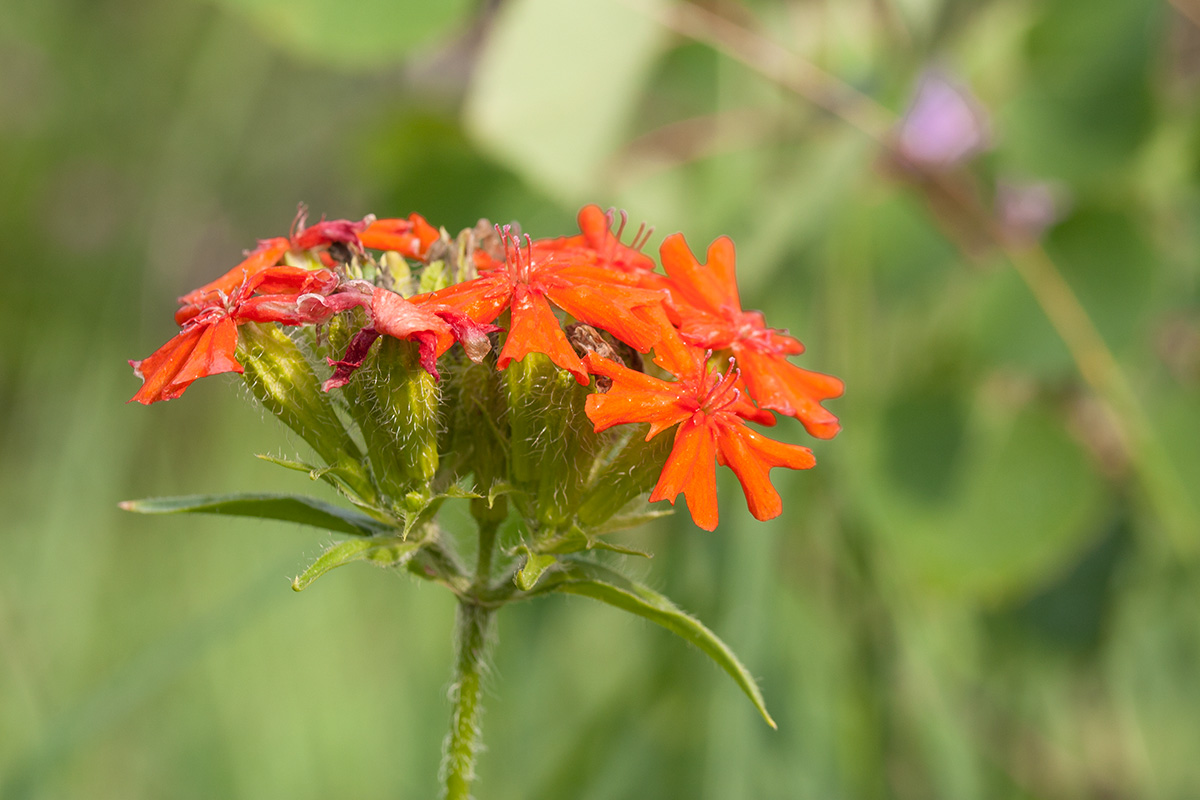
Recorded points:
(728, 367)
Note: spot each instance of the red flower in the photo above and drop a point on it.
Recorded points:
(710, 315)
(597, 243)
(409, 237)
(267, 254)
(709, 411)
(527, 282)
(327, 232)
(207, 345)
(434, 330)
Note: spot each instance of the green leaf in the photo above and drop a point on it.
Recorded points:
(535, 565)
(608, 586)
(641, 513)
(389, 552)
(576, 539)
(555, 111)
(337, 477)
(461, 493)
(284, 507)
(287, 463)
(366, 34)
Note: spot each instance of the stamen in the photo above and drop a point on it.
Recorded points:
(504, 234)
(299, 222)
(528, 257)
(723, 394)
(643, 236)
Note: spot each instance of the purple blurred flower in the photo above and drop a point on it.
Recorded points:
(944, 126)
(1026, 209)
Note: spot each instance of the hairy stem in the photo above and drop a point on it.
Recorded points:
(470, 642)
(462, 743)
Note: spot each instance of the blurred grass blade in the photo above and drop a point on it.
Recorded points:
(608, 586)
(390, 552)
(283, 507)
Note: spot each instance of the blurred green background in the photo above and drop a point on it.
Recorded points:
(982, 591)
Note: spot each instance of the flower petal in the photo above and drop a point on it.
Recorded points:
(634, 397)
(535, 329)
(777, 384)
(267, 254)
(203, 349)
(482, 299)
(409, 237)
(751, 457)
(356, 353)
(711, 287)
(610, 308)
(327, 232)
(691, 469)
(397, 317)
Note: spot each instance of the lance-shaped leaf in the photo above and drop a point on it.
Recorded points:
(389, 552)
(608, 586)
(283, 507)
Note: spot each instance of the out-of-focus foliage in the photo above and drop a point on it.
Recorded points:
(972, 596)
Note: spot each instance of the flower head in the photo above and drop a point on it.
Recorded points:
(710, 316)
(532, 277)
(709, 411)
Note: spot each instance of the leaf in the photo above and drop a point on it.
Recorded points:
(460, 493)
(551, 98)
(535, 565)
(608, 586)
(334, 476)
(1023, 501)
(389, 552)
(500, 489)
(576, 539)
(283, 507)
(287, 463)
(641, 514)
(420, 509)
(366, 34)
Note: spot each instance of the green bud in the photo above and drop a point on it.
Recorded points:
(632, 471)
(475, 441)
(401, 405)
(282, 379)
(435, 276)
(552, 444)
(396, 268)
(529, 383)
(569, 449)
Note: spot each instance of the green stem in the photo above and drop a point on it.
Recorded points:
(487, 546)
(462, 743)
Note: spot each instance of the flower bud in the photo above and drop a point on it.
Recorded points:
(474, 440)
(552, 445)
(633, 471)
(401, 405)
(282, 379)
